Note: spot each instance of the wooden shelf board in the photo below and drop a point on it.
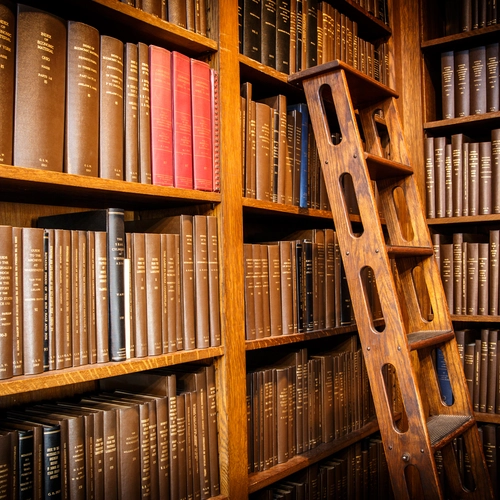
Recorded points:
(69, 376)
(369, 26)
(259, 480)
(297, 337)
(464, 220)
(487, 418)
(56, 188)
(469, 318)
(458, 39)
(261, 206)
(465, 124)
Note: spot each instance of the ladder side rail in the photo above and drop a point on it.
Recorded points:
(379, 348)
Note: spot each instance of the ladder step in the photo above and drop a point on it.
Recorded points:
(428, 338)
(382, 168)
(408, 251)
(444, 428)
(364, 90)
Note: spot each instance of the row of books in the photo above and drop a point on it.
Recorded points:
(469, 79)
(301, 401)
(151, 435)
(295, 285)
(338, 39)
(105, 108)
(359, 471)
(292, 36)
(74, 295)
(478, 352)
(462, 176)
(280, 157)
(468, 15)
(468, 264)
(489, 434)
(191, 15)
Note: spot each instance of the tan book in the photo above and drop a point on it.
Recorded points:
(75, 298)
(33, 297)
(201, 288)
(213, 280)
(248, 263)
(144, 141)
(17, 302)
(131, 111)
(6, 295)
(91, 298)
(274, 272)
(139, 294)
(102, 297)
(81, 154)
(39, 124)
(263, 152)
(286, 287)
(153, 293)
(172, 327)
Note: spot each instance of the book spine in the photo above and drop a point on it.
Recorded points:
(201, 290)
(283, 36)
(268, 33)
(485, 178)
(494, 277)
(187, 282)
(215, 124)
(139, 293)
(478, 83)
(462, 83)
(39, 126)
(91, 297)
(81, 155)
(201, 125)
(182, 132)
(162, 170)
(440, 175)
(7, 80)
(6, 296)
(495, 171)
(144, 122)
(131, 112)
(473, 179)
(492, 83)
(111, 137)
(152, 246)
(213, 281)
(116, 291)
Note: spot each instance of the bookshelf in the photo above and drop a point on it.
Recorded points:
(28, 193)
(433, 41)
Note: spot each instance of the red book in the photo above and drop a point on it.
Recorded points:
(182, 130)
(202, 125)
(161, 116)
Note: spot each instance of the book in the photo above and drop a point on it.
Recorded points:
(201, 282)
(202, 125)
(131, 112)
(430, 182)
(440, 175)
(263, 152)
(213, 281)
(182, 124)
(6, 304)
(215, 118)
(81, 153)
(494, 245)
(462, 83)
(443, 378)
(144, 121)
(162, 170)
(39, 129)
(491, 389)
(152, 246)
(111, 222)
(7, 82)
(473, 179)
(251, 24)
(139, 294)
(268, 19)
(485, 178)
(283, 36)
(478, 80)
(457, 141)
(492, 84)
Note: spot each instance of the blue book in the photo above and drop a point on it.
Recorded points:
(443, 378)
(302, 108)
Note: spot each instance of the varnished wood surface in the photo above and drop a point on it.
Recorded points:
(261, 206)
(471, 219)
(77, 375)
(487, 418)
(472, 124)
(259, 480)
(476, 37)
(58, 188)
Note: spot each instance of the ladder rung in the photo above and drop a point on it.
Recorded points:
(363, 89)
(428, 338)
(382, 168)
(444, 428)
(408, 251)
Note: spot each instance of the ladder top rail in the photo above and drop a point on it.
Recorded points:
(363, 89)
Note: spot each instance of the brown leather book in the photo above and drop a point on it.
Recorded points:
(7, 75)
(91, 297)
(172, 326)
(430, 181)
(469, 363)
(111, 136)
(472, 278)
(473, 179)
(492, 383)
(448, 184)
(102, 297)
(477, 375)
(74, 300)
(131, 112)
(9, 452)
(17, 302)
(494, 246)
(33, 297)
(39, 130)
(495, 171)
(213, 281)
(485, 178)
(81, 154)
(283, 36)
(483, 370)
(478, 81)
(483, 269)
(177, 13)
(281, 383)
(260, 326)
(152, 246)
(446, 269)
(144, 140)
(248, 262)
(457, 141)
(201, 287)
(440, 175)
(268, 33)
(462, 83)
(6, 312)
(83, 294)
(264, 266)
(458, 275)
(492, 83)
(286, 286)
(273, 254)
(290, 158)
(49, 347)
(326, 415)
(139, 294)
(152, 7)
(263, 152)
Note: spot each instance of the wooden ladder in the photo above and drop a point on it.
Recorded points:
(391, 239)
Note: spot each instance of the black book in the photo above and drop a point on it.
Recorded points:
(111, 221)
(252, 29)
(268, 30)
(283, 36)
